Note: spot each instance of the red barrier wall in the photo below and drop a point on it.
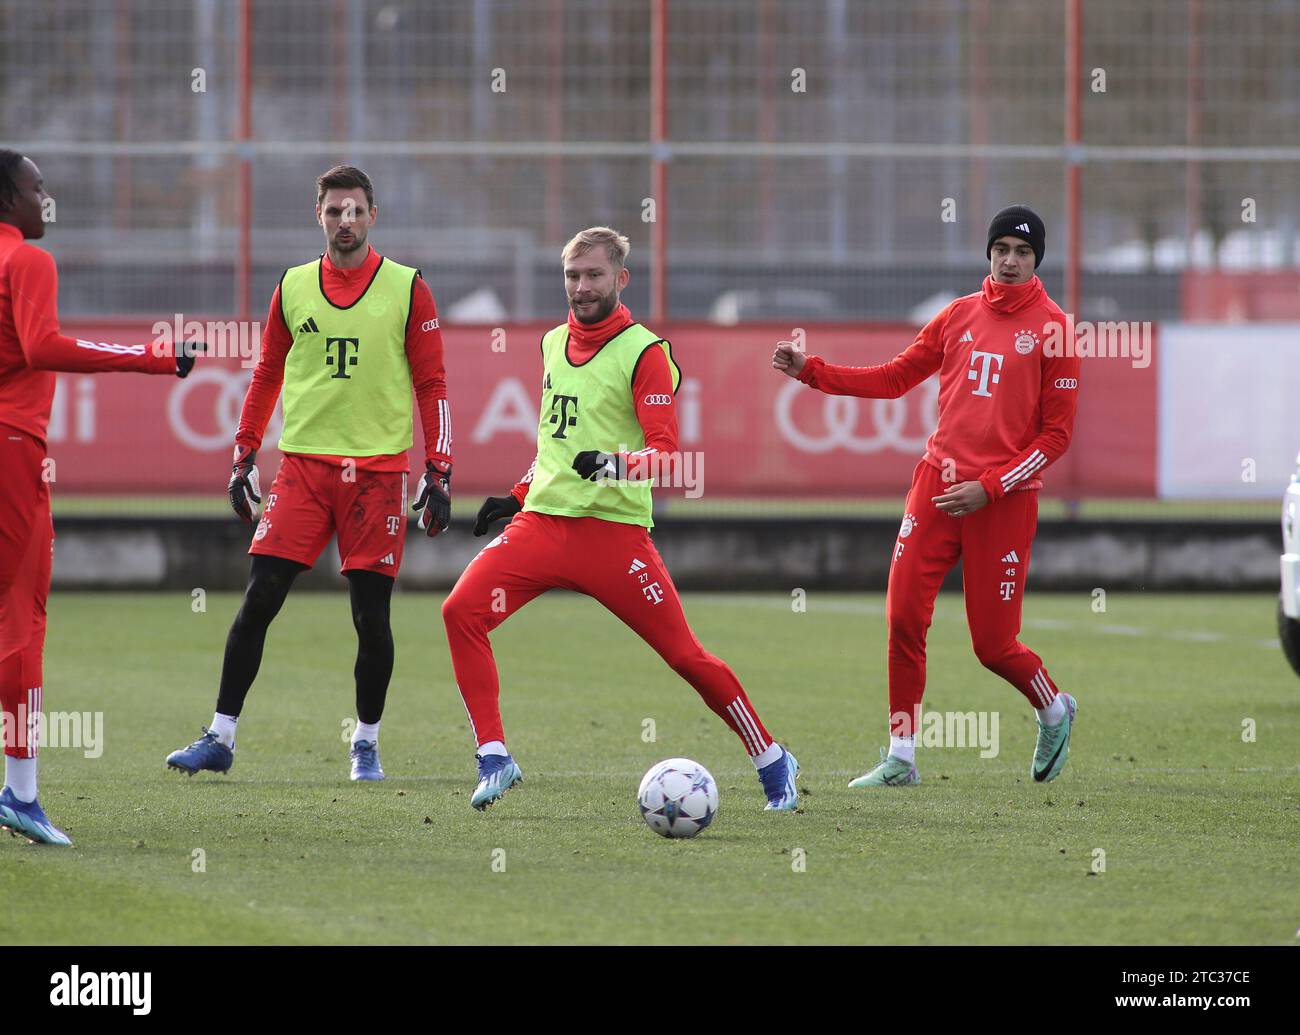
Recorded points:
(757, 431)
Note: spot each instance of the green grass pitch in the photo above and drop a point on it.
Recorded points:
(1198, 823)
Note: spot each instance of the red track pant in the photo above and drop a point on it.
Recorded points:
(993, 545)
(615, 563)
(26, 549)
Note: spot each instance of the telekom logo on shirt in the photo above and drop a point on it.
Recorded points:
(985, 375)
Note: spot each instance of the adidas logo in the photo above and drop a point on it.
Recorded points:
(637, 565)
(1024, 227)
(1011, 558)
(967, 337)
(309, 327)
(388, 560)
(547, 383)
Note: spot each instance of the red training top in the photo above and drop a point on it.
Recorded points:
(1006, 410)
(653, 376)
(423, 353)
(31, 347)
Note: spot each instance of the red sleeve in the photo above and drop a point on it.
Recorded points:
(424, 352)
(1057, 406)
(656, 411)
(520, 491)
(34, 283)
(888, 380)
(268, 377)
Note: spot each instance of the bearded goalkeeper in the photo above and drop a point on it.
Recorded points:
(348, 336)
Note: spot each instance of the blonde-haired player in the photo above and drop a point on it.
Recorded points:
(581, 519)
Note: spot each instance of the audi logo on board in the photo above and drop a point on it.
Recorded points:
(841, 417)
(203, 411)
(209, 422)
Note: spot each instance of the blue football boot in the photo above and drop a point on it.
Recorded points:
(365, 761)
(778, 783)
(28, 819)
(496, 775)
(205, 753)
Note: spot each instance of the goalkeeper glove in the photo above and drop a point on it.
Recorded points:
(186, 353)
(494, 509)
(434, 498)
(244, 488)
(596, 466)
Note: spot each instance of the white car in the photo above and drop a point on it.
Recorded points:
(1288, 608)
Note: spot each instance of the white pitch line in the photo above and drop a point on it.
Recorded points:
(930, 764)
(849, 607)
(934, 766)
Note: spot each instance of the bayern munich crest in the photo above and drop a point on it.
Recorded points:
(909, 521)
(1025, 342)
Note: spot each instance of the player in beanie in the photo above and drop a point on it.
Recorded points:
(1021, 223)
(1006, 411)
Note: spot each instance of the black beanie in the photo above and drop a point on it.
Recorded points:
(1018, 221)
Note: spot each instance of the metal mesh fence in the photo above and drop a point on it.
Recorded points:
(811, 144)
(819, 160)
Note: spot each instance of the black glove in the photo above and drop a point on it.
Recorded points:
(593, 465)
(434, 498)
(186, 353)
(494, 509)
(245, 492)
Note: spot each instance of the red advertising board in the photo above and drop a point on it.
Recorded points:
(754, 431)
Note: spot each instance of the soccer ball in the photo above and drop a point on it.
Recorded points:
(678, 798)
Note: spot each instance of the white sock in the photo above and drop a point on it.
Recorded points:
(1054, 713)
(20, 777)
(903, 748)
(224, 727)
(773, 752)
(493, 747)
(365, 731)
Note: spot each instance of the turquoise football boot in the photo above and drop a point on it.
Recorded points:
(1053, 745)
(892, 772)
